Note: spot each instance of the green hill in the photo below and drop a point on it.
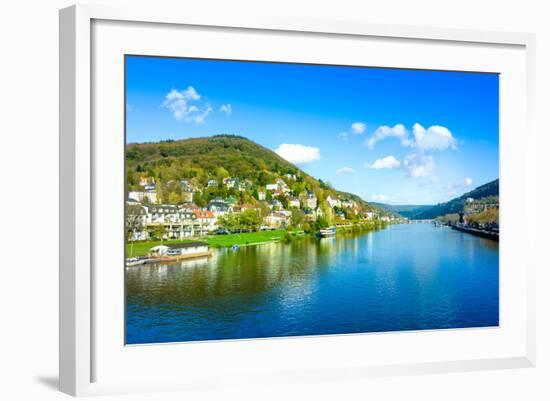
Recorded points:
(238, 155)
(219, 157)
(457, 204)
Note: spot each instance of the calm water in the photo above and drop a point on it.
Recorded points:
(406, 277)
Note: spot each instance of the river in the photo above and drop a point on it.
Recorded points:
(404, 277)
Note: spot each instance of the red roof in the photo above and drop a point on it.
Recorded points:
(203, 214)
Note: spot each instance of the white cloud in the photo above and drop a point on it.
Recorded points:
(344, 136)
(418, 164)
(423, 141)
(345, 170)
(199, 118)
(468, 181)
(385, 162)
(298, 154)
(379, 197)
(434, 138)
(226, 108)
(180, 103)
(191, 94)
(397, 131)
(358, 128)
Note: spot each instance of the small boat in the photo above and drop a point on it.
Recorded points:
(135, 261)
(178, 251)
(327, 232)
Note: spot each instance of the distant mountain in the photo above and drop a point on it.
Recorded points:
(408, 211)
(457, 204)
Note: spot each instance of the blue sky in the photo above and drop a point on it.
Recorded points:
(388, 135)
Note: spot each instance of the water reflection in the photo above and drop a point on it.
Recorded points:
(405, 277)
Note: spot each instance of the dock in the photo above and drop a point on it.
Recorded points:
(476, 231)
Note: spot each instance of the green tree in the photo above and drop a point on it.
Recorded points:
(198, 199)
(283, 200)
(174, 198)
(221, 173)
(159, 231)
(297, 217)
(328, 213)
(250, 219)
(133, 223)
(229, 221)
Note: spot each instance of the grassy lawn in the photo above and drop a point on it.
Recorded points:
(245, 238)
(141, 248)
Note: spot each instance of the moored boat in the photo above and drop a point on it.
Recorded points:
(135, 261)
(186, 250)
(327, 232)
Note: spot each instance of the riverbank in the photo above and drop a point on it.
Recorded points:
(476, 231)
(141, 248)
(361, 227)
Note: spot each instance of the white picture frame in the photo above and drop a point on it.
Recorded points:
(78, 317)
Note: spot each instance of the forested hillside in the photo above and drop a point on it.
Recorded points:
(456, 205)
(220, 157)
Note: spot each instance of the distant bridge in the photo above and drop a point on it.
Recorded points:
(421, 221)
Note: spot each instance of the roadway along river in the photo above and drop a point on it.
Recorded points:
(405, 277)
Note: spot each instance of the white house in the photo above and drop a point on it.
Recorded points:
(178, 222)
(348, 203)
(230, 182)
(291, 176)
(311, 200)
(282, 185)
(276, 219)
(143, 196)
(206, 220)
(186, 184)
(333, 202)
(275, 204)
(261, 195)
(219, 207)
(272, 187)
(187, 196)
(310, 215)
(212, 183)
(244, 185)
(293, 202)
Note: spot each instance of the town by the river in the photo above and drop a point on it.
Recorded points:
(402, 277)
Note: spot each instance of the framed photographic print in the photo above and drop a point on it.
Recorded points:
(234, 193)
